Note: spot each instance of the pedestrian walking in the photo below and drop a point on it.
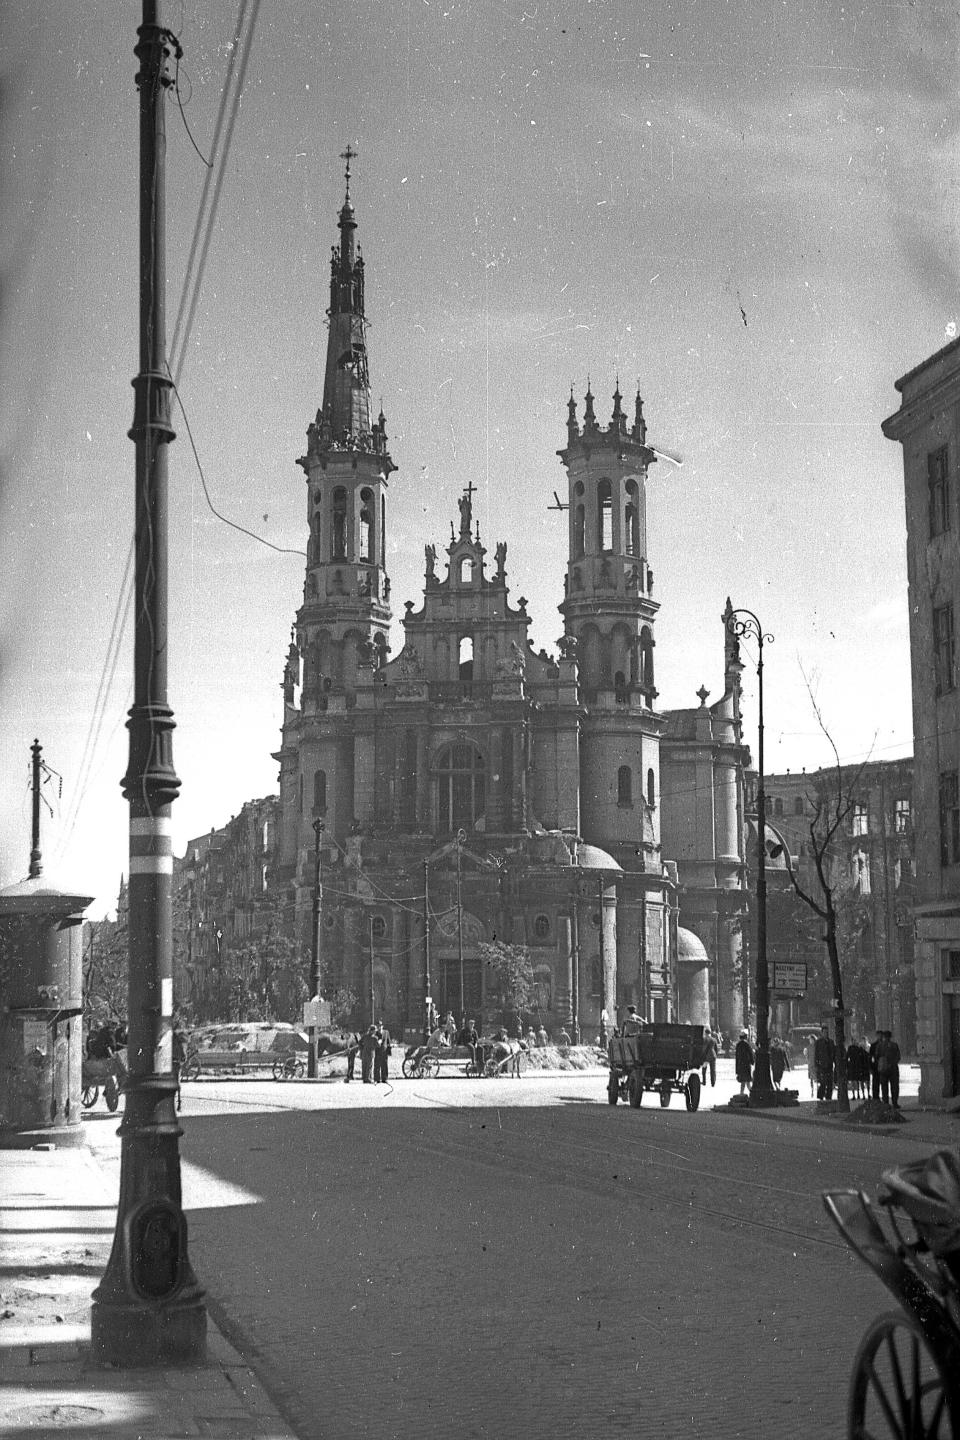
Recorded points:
(778, 1061)
(368, 1049)
(353, 1045)
(825, 1054)
(888, 1070)
(810, 1055)
(710, 1052)
(743, 1060)
(874, 1068)
(543, 1039)
(381, 1056)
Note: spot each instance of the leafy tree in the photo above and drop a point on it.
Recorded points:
(105, 963)
(511, 971)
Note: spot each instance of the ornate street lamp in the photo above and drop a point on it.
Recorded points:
(318, 829)
(744, 623)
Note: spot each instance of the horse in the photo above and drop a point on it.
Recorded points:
(333, 1042)
(505, 1057)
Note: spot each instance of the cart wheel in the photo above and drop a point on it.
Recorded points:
(90, 1096)
(666, 1090)
(279, 1069)
(691, 1092)
(191, 1069)
(293, 1068)
(111, 1094)
(408, 1067)
(635, 1089)
(899, 1389)
(430, 1066)
(613, 1089)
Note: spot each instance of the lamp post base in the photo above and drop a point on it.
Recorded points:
(133, 1334)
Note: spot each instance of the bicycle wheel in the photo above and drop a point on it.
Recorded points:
(900, 1389)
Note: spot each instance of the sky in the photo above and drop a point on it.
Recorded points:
(747, 207)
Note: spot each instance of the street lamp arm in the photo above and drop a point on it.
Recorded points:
(749, 627)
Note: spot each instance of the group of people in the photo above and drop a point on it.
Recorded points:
(745, 1061)
(873, 1072)
(374, 1048)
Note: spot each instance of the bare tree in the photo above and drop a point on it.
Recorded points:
(831, 810)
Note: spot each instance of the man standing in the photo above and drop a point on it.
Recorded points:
(353, 1045)
(743, 1061)
(709, 1057)
(824, 1055)
(873, 1054)
(368, 1048)
(892, 1052)
(381, 1058)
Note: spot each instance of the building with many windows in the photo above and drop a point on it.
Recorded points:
(927, 425)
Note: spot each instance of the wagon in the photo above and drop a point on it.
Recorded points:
(421, 1062)
(660, 1057)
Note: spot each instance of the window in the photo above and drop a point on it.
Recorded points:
(319, 790)
(798, 805)
(366, 526)
(778, 806)
(578, 522)
(631, 518)
(949, 818)
(541, 927)
(646, 659)
(901, 816)
(378, 927)
(859, 821)
(466, 570)
(943, 648)
(339, 538)
(938, 488)
(466, 658)
(951, 964)
(461, 789)
(651, 787)
(604, 516)
(624, 785)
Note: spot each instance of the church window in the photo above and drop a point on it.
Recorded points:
(624, 785)
(466, 570)
(319, 790)
(632, 520)
(366, 526)
(798, 805)
(651, 787)
(466, 657)
(461, 789)
(579, 525)
(383, 531)
(378, 927)
(605, 515)
(620, 686)
(339, 551)
(541, 927)
(646, 659)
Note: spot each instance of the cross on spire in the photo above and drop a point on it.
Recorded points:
(348, 155)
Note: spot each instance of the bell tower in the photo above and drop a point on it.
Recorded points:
(609, 612)
(345, 615)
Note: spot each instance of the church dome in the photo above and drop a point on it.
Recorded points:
(690, 948)
(591, 857)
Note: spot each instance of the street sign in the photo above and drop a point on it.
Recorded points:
(790, 975)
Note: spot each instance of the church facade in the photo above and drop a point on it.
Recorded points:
(471, 789)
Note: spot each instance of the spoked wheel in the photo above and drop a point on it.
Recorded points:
(409, 1066)
(428, 1067)
(665, 1092)
(89, 1096)
(613, 1090)
(899, 1389)
(278, 1069)
(112, 1095)
(293, 1068)
(691, 1092)
(635, 1089)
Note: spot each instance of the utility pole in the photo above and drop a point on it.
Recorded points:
(575, 946)
(148, 1308)
(36, 862)
(318, 829)
(373, 1018)
(460, 839)
(428, 993)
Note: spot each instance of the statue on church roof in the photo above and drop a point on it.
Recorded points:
(466, 513)
(501, 557)
(430, 554)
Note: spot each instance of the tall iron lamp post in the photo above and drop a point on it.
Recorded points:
(742, 624)
(148, 1309)
(318, 829)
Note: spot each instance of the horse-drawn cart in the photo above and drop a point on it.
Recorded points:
(425, 1061)
(658, 1057)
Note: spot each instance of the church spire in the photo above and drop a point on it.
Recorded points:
(346, 387)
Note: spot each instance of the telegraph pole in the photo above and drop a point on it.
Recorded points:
(36, 862)
(318, 829)
(460, 839)
(148, 1309)
(428, 993)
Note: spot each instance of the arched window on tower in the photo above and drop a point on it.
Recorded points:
(319, 792)
(579, 523)
(466, 571)
(631, 520)
(604, 516)
(651, 787)
(625, 785)
(466, 657)
(366, 526)
(646, 659)
(383, 532)
(339, 536)
(461, 788)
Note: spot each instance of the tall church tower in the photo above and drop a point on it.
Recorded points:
(341, 629)
(609, 611)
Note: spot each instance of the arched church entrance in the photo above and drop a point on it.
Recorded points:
(457, 988)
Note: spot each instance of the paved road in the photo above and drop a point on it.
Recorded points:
(497, 1258)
